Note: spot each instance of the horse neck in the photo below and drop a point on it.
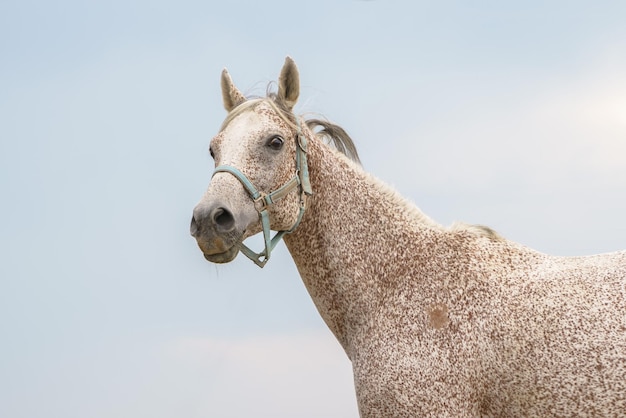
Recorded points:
(352, 239)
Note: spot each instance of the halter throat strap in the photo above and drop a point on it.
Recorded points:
(262, 201)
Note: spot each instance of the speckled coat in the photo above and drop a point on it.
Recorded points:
(438, 321)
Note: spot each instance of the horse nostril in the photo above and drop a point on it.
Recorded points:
(224, 220)
(193, 229)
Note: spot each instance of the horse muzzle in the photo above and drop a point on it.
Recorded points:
(217, 231)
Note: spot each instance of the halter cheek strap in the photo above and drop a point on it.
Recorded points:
(263, 201)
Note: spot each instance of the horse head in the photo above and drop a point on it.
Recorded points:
(260, 180)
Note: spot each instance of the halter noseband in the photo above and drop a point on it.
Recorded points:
(263, 201)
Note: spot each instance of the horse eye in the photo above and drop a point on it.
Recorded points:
(275, 143)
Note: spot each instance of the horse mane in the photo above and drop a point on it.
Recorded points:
(328, 132)
(338, 138)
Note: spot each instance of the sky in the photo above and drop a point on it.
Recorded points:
(508, 114)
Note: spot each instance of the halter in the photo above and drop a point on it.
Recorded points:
(263, 201)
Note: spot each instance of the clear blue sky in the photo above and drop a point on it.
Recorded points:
(509, 114)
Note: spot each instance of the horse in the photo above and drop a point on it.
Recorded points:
(437, 321)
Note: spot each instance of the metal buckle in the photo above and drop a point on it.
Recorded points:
(260, 203)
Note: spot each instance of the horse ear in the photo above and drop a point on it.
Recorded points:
(289, 84)
(231, 95)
